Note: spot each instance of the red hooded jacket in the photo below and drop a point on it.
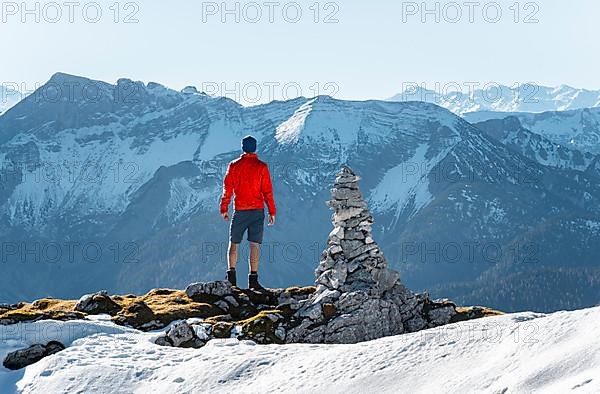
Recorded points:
(249, 180)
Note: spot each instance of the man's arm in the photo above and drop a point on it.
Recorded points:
(227, 193)
(267, 191)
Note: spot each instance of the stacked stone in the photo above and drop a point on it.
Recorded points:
(352, 260)
(358, 297)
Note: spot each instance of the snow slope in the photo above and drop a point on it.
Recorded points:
(515, 353)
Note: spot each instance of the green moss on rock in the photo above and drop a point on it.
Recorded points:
(261, 328)
(222, 329)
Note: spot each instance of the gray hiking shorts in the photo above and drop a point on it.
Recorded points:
(252, 220)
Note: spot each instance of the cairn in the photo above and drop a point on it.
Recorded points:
(358, 297)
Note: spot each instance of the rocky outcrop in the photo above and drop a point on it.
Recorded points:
(24, 357)
(97, 303)
(43, 309)
(260, 316)
(358, 297)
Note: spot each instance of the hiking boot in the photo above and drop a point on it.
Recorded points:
(253, 283)
(231, 277)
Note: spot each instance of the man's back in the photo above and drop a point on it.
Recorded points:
(248, 179)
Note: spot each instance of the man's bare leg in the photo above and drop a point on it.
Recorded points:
(232, 255)
(253, 277)
(254, 256)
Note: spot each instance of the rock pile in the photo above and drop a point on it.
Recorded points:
(358, 297)
(260, 316)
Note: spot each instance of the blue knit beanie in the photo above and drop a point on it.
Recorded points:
(249, 144)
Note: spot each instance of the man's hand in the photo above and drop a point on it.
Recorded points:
(271, 220)
(225, 216)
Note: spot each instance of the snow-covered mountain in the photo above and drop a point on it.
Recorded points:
(510, 132)
(577, 129)
(521, 353)
(121, 192)
(499, 98)
(8, 98)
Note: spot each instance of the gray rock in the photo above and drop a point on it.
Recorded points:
(54, 347)
(326, 296)
(343, 215)
(203, 331)
(335, 249)
(361, 276)
(280, 333)
(328, 263)
(334, 277)
(232, 301)
(347, 179)
(415, 324)
(360, 250)
(334, 241)
(223, 305)
(362, 220)
(357, 204)
(354, 234)
(337, 232)
(345, 194)
(352, 300)
(97, 303)
(313, 312)
(353, 265)
(217, 288)
(386, 278)
(24, 357)
(162, 341)
(244, 298)
(441, 316)
(180, 333)
(350, 246)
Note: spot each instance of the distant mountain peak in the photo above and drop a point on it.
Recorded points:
(501, 98)
(61, 77)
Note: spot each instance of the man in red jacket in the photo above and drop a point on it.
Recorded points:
(248, 179)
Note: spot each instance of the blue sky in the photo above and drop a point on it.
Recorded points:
(370, 52)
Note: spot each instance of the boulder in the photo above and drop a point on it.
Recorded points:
(181, 334)
(216, 289)
(137, 314)
(24, 357)
(97, 303)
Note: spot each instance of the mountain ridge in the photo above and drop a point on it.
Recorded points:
(529, 97)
